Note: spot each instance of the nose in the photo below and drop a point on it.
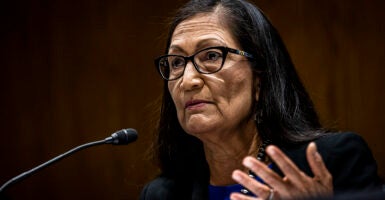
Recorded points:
(191, 78)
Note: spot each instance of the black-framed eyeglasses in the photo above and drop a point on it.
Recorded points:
(205, 61)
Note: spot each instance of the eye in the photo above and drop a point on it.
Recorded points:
(213, 55)
(177, 62)
(163, 62)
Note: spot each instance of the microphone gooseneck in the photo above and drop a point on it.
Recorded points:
(121, 137)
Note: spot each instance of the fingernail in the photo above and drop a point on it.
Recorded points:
(247, 162)
(315, 146)
(234, 197)
(316, 155)
(270, 150)
(236, 177)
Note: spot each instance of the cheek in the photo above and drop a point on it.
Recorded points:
(172, 91)
(239, 83)
(238, 92)
(175, 95)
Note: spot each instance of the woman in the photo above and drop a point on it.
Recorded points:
(236, 122)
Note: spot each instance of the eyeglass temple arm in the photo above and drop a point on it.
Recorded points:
(239, 52)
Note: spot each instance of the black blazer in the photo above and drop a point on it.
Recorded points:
(346, 155)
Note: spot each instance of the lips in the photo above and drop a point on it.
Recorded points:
(195, 103)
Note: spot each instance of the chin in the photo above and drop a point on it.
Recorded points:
(200, 132)
(199, 126)
(196, 131)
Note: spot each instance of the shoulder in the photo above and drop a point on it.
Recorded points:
(334, 144)
(330, 144)
(159, 188)
(341, 140)
(343, 149)
(167, 188)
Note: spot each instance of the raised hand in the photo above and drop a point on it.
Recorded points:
(295, 183)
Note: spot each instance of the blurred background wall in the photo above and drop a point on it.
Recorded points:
(75, 71)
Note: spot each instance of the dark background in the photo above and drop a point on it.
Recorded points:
(72, 72)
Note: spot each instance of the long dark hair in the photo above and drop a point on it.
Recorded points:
(287, 115)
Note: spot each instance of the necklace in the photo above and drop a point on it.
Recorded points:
(261, 156)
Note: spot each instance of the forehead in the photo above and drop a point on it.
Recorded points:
(200, 31)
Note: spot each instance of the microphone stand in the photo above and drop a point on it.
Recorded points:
(53, 160)
(122, 137)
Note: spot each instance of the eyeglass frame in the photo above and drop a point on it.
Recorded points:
(225, 51)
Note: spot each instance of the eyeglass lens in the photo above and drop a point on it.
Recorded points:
(206, 61)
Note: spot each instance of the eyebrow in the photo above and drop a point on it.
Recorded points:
(209, 42)
(176, 48)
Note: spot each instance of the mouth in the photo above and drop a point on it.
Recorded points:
(195, 103)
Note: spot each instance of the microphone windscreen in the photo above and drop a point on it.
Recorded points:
(124, 136)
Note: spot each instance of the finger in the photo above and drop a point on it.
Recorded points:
(288, 168)
(321, 173)
(239, 196)
(251, 184)
(264, 172)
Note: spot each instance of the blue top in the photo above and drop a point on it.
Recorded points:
(223, 192)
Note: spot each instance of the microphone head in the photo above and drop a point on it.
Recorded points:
(124, 136)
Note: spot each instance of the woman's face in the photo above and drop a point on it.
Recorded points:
(211, 104)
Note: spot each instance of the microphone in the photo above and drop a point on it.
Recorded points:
(121, 137)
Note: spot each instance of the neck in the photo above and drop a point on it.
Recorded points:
(226, 155)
